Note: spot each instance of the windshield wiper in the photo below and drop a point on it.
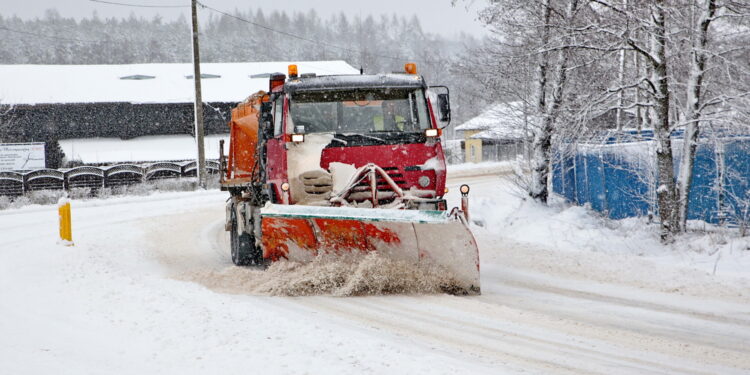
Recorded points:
(364, 136)
(341, 140)
(371, 137)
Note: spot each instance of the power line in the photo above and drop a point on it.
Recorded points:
(49, 36)
(291, 35)
(265, 27)
(139, 5)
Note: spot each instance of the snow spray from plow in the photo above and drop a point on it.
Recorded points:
(432, 238)
(327, 274)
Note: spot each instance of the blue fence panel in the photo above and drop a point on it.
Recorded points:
(737, 179)
(581, 180)
(559, 185)
(569, 177)
(627, 192)
(563, 177)
(703, 199)
(595, 173)
(620, 188)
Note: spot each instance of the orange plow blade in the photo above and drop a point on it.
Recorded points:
(300, 233)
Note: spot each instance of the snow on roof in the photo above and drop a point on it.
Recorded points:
(355, 81)
(501, 121)
(145, 83)
(140, 149)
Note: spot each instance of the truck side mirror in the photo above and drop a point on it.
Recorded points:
(444, 107)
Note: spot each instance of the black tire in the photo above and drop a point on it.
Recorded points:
(244, 251)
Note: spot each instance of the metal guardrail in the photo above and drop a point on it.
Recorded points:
(19, 183)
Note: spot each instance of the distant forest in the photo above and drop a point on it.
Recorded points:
(377, 44)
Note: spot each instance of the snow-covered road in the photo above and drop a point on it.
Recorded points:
(149, 288)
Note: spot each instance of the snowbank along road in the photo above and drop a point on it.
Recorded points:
(150, 288)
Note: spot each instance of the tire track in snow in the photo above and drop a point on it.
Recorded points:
(419, 332)
(624, 333)
(705, 328)
(517, 282)
(458, 330)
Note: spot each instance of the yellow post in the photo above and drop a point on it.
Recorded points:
(66, 232)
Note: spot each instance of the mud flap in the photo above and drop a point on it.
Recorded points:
(300, 233)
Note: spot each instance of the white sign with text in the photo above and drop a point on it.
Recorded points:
(21, 156)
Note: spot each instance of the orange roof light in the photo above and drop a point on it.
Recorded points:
(411, 68)
(292, 71)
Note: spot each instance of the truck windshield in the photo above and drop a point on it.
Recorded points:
(359, 111)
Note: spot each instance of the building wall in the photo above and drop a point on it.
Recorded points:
(502, 150)
(473, 147)
(43, 122)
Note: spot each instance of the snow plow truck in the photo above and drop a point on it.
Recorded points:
(341, 164)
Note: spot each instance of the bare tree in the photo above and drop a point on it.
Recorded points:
(693, 106)
(657, 57)
(550, 112)
(701, 99)
(531, 33)
(651, 29)
(6, 129)
(682, 73)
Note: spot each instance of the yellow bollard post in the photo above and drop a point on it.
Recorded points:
(66, 231)
(68, 224)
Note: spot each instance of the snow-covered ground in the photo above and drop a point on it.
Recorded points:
(149, 288)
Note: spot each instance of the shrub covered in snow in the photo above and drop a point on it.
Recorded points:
(20, 202)
(45, 196)
(80, 193)
(4, 202)
(179, 184)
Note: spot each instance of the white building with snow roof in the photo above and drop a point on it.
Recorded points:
(145, 83)
(499, 133)
(80, 104)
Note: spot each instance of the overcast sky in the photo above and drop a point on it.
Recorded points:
(436, 16)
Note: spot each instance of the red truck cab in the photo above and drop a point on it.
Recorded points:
(322, 130)
(345, 164)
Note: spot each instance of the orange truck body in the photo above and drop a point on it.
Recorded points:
(243, 139)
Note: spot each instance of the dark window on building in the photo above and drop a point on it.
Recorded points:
(138, 77)
(204, 76)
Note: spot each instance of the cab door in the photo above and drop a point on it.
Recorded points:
(276, 169)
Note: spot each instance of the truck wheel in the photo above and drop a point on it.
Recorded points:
(244, 251)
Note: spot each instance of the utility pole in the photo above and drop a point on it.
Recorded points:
(201, 162)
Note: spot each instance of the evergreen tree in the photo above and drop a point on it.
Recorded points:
(381, 44)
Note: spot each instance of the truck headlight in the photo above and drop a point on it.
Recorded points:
(424, 181)
(298, 138)
(432, 132)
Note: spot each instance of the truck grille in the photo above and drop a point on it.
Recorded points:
(386, 194)
(393, 173)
